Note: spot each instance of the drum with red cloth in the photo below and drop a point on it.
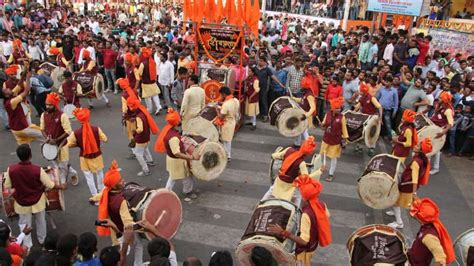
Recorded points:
(92, 85)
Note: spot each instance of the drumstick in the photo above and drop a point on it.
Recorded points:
(324, 158)
(159, 218)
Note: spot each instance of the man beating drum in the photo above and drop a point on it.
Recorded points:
(417, 173)
(292, 166)
(442, 117)
(56, 127)
(408, 137)
(227, 118)
(29, 181)
(89, 65)
(315, 228)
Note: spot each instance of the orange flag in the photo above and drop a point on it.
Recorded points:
(247, 11)
(185, 13)
(211, 11)
(240, 12)
(219, 11)
(233, 17)
(255, 17)
(227, 10)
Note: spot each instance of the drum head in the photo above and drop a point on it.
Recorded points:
(99, 86)
(68, 109)
(462, 245)
(378, 190)
(209, 112)
(275, 166)
(201, 127)
(277, 106)
(57, 77)
(355, 125)
(279, 254)
(289, 122)
(372, 131)
(50, 152)
(164, 210)
(430, 132)
(422, 121)
(212, 162)
(48, 67)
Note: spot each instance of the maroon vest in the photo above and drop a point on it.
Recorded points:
(16, 117)
(333, 131)
(439, 118)
(398, 149)
(173, 133)
(294, 170)
(144, 136)
(251, 90)
(78, 134)
(129, 72)
(146, 79)
(17, 55)
(419, 254)
(26, 181)
(86, 63)
(115, 200)
(406, 184)
(52, 125)
(366, 105)
(313, 232)
(69, 91)
(59, 61)
(305, 102)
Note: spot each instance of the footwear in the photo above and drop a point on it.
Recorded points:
(91, 107)
(108, 105)
(395, 225)
(357, 149)
(228, 159)
(157, 112)
(330, 178)
(370, 152)
(115, 92)
(390, 213)
(434, 171)
(142, 173)
(108, 90)
(152, 163)
(190, 196)
(74, 180)
(131, 156)
(265, 119)
(253, 128)
(248, 124)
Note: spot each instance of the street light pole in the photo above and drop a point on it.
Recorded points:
(347, 7)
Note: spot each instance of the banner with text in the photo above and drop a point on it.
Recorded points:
(401, 7)
(452, 41)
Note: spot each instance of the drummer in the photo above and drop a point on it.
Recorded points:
(113, 210)
(124, 83)
(194, 100)
(29, 181)
(87, 138)
(70, 90)
(177, 161)
(417, 173)
(432, 240)
(147, 73)
(315, 227)
(56, 127)
(227, 118)
(369, 105)
(335, 130)
(443, 117)
(89, 66)
(61, 60)
(308, 104)
(408, 137)
(19, 56)
(131, 72)
(292, 166)
(251, 98)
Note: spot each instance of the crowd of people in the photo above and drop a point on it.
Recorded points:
(143, 53)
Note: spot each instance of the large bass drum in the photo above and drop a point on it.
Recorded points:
(92, 85)
(427, 129)
(203, 125)
(275, 165)
(286, 115)
(362, 126)
(464, 248)
(272, 211)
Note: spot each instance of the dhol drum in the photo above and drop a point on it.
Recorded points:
(427, 129)
(50, 152)
(55, 72)
(92, 86)
(287, 116)
(161, 208)
(377, 243)
(275, 165)
(55, 197)
(273, 211)
(378, 186)
(362, 126)
(68, 109)
(213, 158)
(464, 248)
(203, 125)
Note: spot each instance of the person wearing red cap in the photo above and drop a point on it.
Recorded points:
(315, 227)
(19, 56)
(126, 86)
(335, 130)
(89, 65)
(443, 117)
(292, 166)
(56, 127)
(70, 90)
(147, 73)
(61, 60)
(88, 138)
(408, 137)
(432, 240)
(177, 160)
(416, 174)
(310, 88)
(131, 72)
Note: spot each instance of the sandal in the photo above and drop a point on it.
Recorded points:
(330, 178)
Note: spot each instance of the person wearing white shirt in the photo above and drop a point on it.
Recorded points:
(34, 51)
(7, 46)
(91, 51)
(388, 52)
(165, 77)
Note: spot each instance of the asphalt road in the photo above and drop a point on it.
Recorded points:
(218, 218)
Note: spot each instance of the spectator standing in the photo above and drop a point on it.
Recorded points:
(399, 54)
(295, 75)
(165, 78)
(350, 91)
(364, 52)
(110, 58)
(388, 98)
(264, 73)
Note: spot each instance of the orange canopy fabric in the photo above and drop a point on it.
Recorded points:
(111, 179)
(172, 119)
(88, 139)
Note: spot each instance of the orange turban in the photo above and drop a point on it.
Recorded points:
(111, 179)
(446, 98)
(364, 88)
(146, 53)
(133, 103)
(425, 147)
(310, 190)
(17, 44)
(89, 142)
(409, 116)
(53, 99)
(128, 58)
(426, 211)
(123, 83)
(336, 103)
(12, 70)
(54, 51)
(310, 82)
(306, 148)
(172, 120)
(86, 54)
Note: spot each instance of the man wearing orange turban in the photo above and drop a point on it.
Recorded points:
(432, 240)
(131, 72)
(88, 138)
(314, 223)
(335, 130)
(89, 65)
(292, 166)
(408, 137)
(19, 56)
(169, 142)
(416, 173)
(443, 117)
(147, 76)
(70, 89)
(309, 85)
(61, 60)
(56, 127)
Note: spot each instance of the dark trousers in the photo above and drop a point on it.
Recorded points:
(38, 101)
(263, 102)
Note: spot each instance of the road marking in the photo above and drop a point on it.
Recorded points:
(210, 235)
(227, 202)
(340, 190)
(245, 176)
(262, 139)
(251, 156)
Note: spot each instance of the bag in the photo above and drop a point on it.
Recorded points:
(46, 80)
